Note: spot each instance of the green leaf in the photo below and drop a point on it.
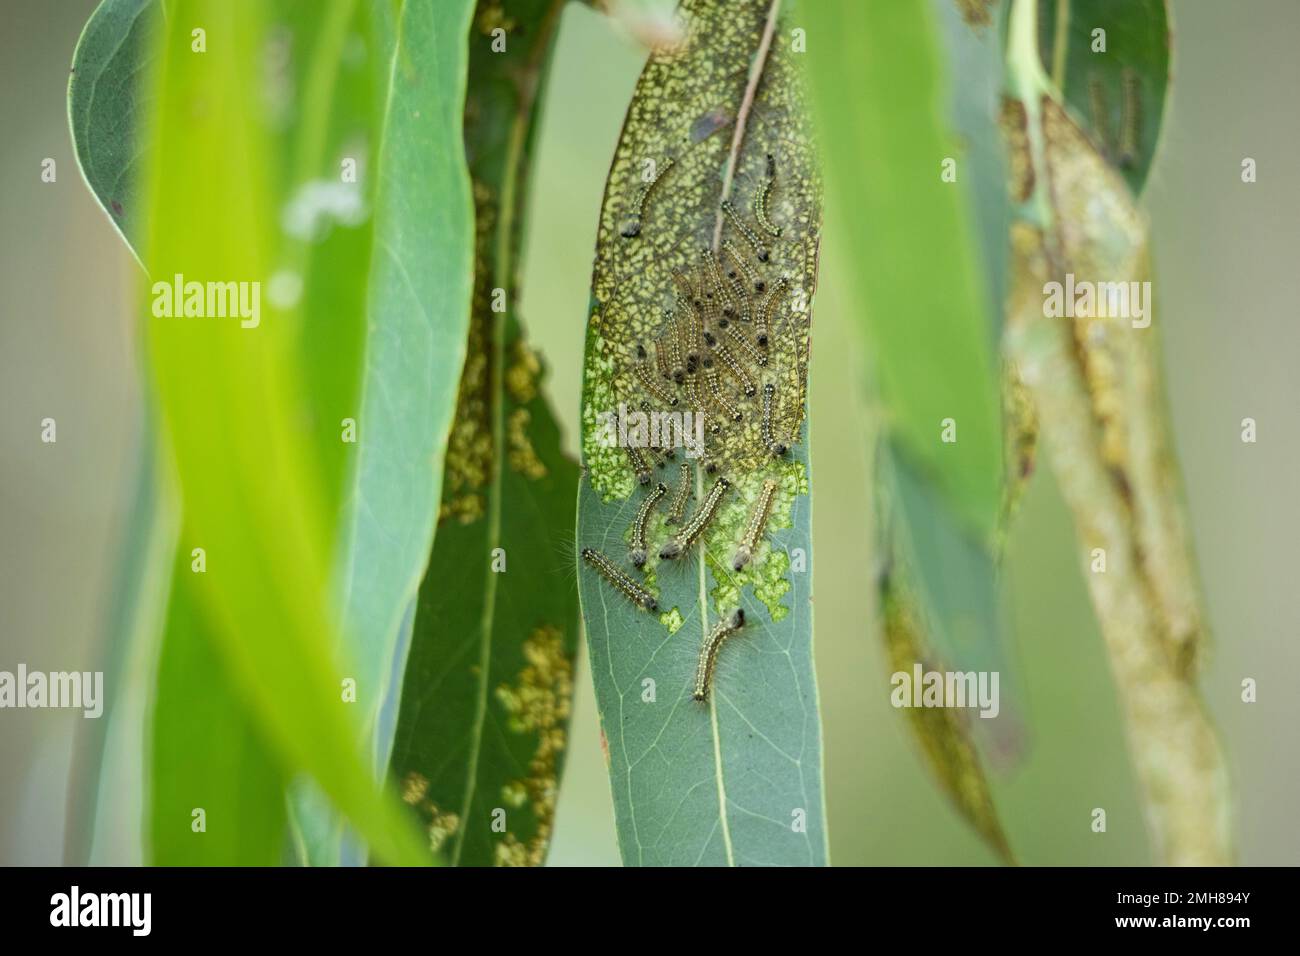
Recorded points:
(231, 392)
(1095, 384)
(211, 752)
(487, 695)
(133, 629)
(329, 99)
(919, 283)
(1120, 93)
(928, 291)
(105, 103)
(736, 778)
(418, 302)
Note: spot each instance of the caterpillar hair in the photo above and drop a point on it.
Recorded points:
(709, 652)
(761, 197)
(742, 227)
(630, 589)
(637, 552)
(754, 530)
(692, 530)
(682, 496)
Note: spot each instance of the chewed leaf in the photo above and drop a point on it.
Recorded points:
(1084, 338)
(697, 354)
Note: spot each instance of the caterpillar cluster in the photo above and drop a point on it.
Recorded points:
(725, 350)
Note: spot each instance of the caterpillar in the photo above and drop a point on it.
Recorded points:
(1131, 135)
(661, 361)
(682, 496)
(632, 228)
(733, 365)
(693, 395)
(653, 385)
(639, 465)
(713, 273)
(742, 227)
(719, 396)
(766, 433)
(754, 530)
(1100, 110)
(637, 553)
(632, 590)
(743, 268)
(760, 200)
(709, 652)
(764, 322)
(676, 360)
(688, 328)
(685, 290)
(749, 348)
(692, 530)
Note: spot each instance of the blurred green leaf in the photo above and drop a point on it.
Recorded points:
(919, 281)
(327, 103)
(735, 779)
(137, 604)
(1119, 93)
(418, 302)
(928, 290)
(230, 394)
(487, 694)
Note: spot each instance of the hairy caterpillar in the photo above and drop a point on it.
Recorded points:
(692, 530)
(754, 530)
(637, 553)
(743, 268)
(764, 322)
(676, 355)
(1131, 135)
(760, 200)
(632, 228)
(766, 432)
(688, 325)
(652, 384)
(720, 397)
(749, 348)
(685, 290)
(742, 227)
(661, 361)
(682, 496)
(709, 652)
(733, 365)
(632, 590)
(1100, 110)
(713, 272)
(639, 465)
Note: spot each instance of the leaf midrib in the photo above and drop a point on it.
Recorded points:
(737, 140)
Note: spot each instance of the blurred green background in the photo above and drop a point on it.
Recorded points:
(1225, 255)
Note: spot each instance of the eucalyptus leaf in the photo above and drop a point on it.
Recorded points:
(917, 157)
(1112, 63)
(485, 705)
(715, 173)
(229, 392)
(1094, 379)
(418, 304)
